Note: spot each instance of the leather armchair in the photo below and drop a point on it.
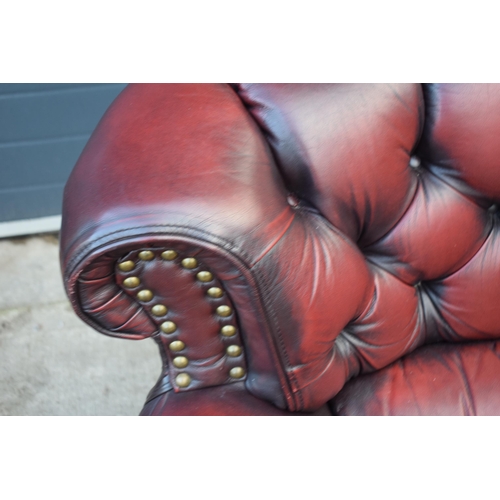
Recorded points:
(296, 249)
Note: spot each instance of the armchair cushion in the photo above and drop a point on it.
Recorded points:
(440, 379)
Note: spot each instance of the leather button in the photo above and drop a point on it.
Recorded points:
(292, 200)
(414, 162)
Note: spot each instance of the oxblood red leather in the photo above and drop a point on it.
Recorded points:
(223, 400)
(347, 225)
(441, 379)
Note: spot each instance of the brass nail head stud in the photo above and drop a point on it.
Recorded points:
(168, 327)
(145, 295)
(237, 372)
(215, 292)
(233, 350)
(169, 255)
(224, 311)
(146, 255)
(180, 361)
(159, 310)
(126, 266)
(183, 380)
(228, 331)
(131, 282)
(205, 276)
(189, 263)
(177, 345)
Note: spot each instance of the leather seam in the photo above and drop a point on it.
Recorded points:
(84, 249)
(465, 381)
(284, 352)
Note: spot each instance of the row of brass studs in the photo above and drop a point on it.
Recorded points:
(146, 255)
(158, 310)
(183, 379)
(168, 327)
(224, 311)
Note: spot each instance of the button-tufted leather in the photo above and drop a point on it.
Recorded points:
(346, 225)
(440, 379)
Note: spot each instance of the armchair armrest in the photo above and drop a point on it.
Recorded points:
(177, 226)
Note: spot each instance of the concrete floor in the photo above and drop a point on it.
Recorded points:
(51, 363)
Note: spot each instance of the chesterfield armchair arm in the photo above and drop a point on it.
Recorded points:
(277, 241)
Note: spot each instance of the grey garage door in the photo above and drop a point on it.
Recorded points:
(43, 129)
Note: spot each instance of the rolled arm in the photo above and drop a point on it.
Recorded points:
(177, 226)
(172, 200)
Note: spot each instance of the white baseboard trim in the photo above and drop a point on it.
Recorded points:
(30, 226)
